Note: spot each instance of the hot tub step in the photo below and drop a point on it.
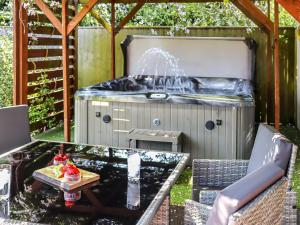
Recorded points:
(173, 137)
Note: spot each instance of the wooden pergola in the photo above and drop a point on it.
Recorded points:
(66, 22)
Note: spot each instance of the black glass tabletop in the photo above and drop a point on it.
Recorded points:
(114, 199)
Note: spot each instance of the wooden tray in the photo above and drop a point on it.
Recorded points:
(47, 176)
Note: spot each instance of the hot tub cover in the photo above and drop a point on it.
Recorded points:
(196, 70)
(181, 89)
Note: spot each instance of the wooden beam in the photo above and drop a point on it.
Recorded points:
(50, 15)
(113, 41)
(153, 1)
(129, 16)
(66, 79)
(276, 65)
(255, 14)
(292, 6)
(76, 20)
(101, 20)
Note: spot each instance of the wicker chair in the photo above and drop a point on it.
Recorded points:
(210, 176)
(264, 209)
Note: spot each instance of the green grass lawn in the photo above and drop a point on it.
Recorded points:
(182, 190)
(56, 134)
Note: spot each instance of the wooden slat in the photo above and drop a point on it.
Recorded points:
(42, 18)
(44, 30)
(40, 53)
(50, 85)
(57, 94)
(255, 14)
(45, 64)
(39, 125)
(56, 10)
(56, 23)
(58, 105)
(76, 20)
(48, 41)
(50, 74)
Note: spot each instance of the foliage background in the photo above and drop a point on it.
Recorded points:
(179, 17)
(6, 69)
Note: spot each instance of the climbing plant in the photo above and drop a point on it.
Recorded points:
(41, 103)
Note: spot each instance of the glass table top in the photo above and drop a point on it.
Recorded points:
(112, 200)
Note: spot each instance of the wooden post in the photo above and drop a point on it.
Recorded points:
(23, 56)
(276, 65)
(113, 40)
(66, 79)
(269, 69)
(75, 63)
(20, 54)
(16, 30)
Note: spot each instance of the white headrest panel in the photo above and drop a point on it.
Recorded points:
(197, 56)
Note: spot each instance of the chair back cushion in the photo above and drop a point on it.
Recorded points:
(269, 146)
(14, 128)
(235, 196)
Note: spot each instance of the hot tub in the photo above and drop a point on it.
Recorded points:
(214, 110)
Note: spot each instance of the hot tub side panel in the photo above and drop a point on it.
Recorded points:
(246, 131)
(230, 140)
(81, 121)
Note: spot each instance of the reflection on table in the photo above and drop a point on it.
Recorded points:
(112, 200)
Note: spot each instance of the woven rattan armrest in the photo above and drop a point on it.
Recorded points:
(195, 213)
(216, 174)
(266, 208)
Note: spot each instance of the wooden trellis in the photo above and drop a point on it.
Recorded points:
(63, 23)
(38, 51)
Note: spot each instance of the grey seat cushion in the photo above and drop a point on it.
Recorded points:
(235, 196)
(269, 146)
(14, 129)
(208, 197)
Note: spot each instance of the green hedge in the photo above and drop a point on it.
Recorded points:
(6, 69)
